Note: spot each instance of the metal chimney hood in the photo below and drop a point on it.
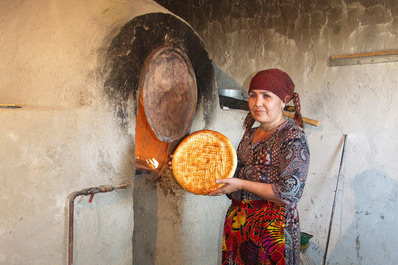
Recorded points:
(231, 94)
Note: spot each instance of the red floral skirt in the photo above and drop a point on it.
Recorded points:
(254, 233)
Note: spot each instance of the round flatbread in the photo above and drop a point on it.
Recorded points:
(202, 158)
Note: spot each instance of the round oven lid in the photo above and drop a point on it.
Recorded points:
(168, 87)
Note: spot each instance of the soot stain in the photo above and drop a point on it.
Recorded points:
(126, 55)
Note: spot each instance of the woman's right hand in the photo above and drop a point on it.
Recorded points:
(170, 162)
(230, 185)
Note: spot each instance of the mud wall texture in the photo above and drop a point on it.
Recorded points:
(66, 136)
(359, 101)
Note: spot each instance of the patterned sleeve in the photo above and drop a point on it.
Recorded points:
(295, 158)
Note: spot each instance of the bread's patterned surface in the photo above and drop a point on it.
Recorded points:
(201, 159)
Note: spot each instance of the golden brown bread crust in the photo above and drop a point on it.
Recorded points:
(202, 158)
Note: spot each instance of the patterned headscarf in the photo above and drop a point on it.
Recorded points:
(279, 83)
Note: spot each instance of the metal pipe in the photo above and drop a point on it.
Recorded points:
(334, 200)
(88, 191)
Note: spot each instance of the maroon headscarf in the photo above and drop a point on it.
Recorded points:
(279, 83)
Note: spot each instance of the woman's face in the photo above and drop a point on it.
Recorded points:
(265, 106)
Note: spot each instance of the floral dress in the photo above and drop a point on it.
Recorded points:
(257, 231)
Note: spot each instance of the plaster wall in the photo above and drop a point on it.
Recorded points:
(68, 136)
(359, 101)
(65, 137)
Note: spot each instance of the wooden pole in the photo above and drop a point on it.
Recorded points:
(305, 120)
(364, 58)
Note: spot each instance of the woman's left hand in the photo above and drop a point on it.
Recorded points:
(170, 162)
(230, 185)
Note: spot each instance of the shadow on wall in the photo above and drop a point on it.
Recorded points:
(364, 242)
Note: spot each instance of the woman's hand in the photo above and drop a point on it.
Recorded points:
(263, 190)
(170, 162)
(230, 185)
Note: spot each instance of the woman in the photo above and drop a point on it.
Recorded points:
(262, 223)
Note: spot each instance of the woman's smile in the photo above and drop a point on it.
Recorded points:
(259, 112)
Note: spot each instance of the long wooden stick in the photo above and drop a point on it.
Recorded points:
(14, 105)
(305, 120)
(364, 58)
(368, 54)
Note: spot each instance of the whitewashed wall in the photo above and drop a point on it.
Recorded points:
(64, 138)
